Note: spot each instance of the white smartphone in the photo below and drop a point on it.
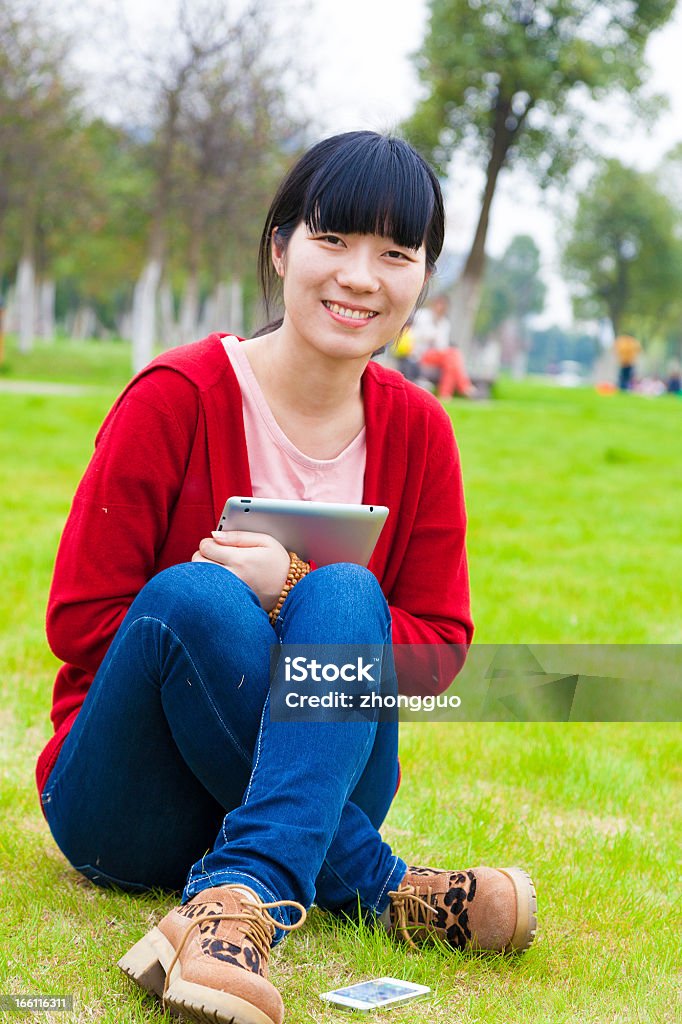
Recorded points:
(319, 531)
(375, 994)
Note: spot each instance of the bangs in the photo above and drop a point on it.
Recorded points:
(378, 189)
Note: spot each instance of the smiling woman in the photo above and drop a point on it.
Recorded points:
(165, 745)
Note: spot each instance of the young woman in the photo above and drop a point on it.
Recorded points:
(166, 767)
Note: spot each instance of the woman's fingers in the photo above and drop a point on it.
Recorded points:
(257, 559)
(198, 557)
(242, 538)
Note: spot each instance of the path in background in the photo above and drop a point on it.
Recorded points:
(32, 387)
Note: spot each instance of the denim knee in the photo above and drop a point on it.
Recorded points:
(198, 597)
(343, 593)
(339, 580)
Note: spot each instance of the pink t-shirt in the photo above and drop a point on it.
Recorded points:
(278, 468)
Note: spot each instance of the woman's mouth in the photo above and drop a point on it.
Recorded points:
(355, 316)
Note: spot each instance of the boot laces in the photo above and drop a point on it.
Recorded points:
(259, 926)
(409, 911)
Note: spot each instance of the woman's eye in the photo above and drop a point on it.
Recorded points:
(395, 254)
(332, 239)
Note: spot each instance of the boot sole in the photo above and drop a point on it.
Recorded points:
(526, 910)
(146, 964)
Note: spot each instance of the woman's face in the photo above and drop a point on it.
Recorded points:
(347, 295)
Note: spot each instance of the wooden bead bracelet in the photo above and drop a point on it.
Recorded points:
(297, 570)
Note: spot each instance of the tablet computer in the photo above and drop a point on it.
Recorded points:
(319, 531)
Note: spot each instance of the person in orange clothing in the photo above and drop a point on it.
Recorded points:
(431, 330)
(627, 350)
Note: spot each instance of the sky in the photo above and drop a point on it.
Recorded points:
(358, 55)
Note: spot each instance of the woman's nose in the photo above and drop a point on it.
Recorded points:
(358, 273)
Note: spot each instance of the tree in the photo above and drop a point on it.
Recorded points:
(233, 126)
(101, 247)
(512, 287)
(625, 249)
(507, 80)
(512, 290)
(169, 80)
(214, 130)
(39, 147)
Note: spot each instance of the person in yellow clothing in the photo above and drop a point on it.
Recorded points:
(627, 350)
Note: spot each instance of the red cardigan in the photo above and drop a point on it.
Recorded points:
(172, 450)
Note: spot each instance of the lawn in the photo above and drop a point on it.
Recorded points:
(575, 536)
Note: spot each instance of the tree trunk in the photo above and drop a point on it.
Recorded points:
(466, 295)
(26, 277)
(124, 324)
(11, 313)
(618, 297)
(190, 306)
(236, 306)
(46, 310)
(216, 314)
(465, 300)
(146, 289)
(83, 324)
(26, 303)
(144, 314)
(519, 360)
(615, 318)
(189, 309)
(168, 331)
(3, 244)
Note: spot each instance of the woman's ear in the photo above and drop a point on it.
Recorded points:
(277, 252)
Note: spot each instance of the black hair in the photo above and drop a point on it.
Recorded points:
(357, 183)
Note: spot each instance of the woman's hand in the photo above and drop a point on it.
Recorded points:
(258, 559)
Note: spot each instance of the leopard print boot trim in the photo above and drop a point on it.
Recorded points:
(252, 948)
(480, 908)
(430, 902)
(246, 941)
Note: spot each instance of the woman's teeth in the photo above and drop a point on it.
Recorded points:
(352, 314)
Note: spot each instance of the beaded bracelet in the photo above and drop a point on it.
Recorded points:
(297, 570)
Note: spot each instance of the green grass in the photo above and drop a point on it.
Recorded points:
(88, 363)
(575, 529)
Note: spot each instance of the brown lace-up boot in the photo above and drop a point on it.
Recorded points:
(480, 908)
(208, 959)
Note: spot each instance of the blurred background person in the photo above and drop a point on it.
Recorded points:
(627, 350)
(432, 348)
(673, 383)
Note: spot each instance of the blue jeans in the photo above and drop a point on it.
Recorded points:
(174, 763)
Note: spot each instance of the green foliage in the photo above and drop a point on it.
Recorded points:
(504, 75)
(101, 249)
(625, 250)
(233, 125)
(553, 345)
(507, 81)
(512, 286)
(188, 178)
(39, 131)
